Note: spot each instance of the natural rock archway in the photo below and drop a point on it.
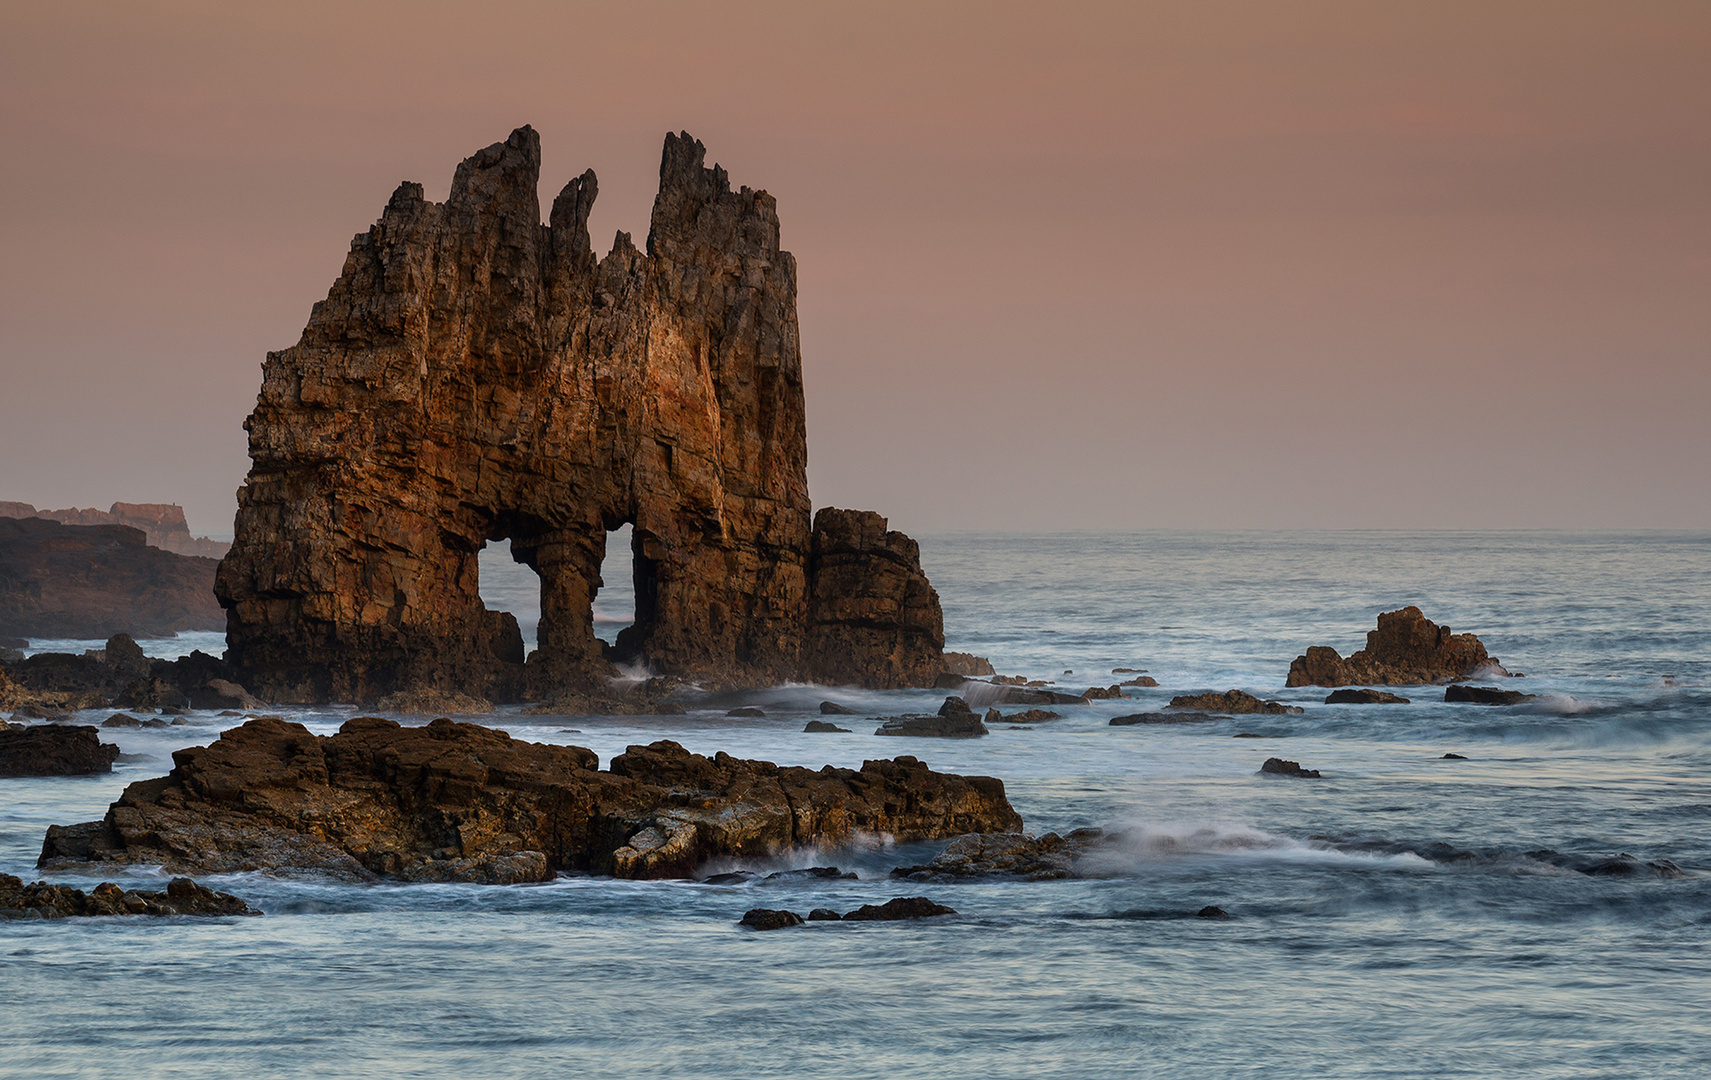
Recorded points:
(475, 376)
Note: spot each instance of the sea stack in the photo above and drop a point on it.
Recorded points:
(476, 376)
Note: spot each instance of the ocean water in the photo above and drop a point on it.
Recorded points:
(1404, 916)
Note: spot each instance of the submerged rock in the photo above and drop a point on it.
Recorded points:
(769, 919)
(460, 802)
(1026, 716)
(1233, 703)
(1364, 697)
(1212, 912)
(903, 907)
(181, 896)
(747, 712)
(1163, 718)
(1011, 854)
(1453, 757)
(1485, 695)
(1407, 649)
(54, 750)
(832, 708)
(821, 727)
(955, 720)
(823, 914)
(1283, 767)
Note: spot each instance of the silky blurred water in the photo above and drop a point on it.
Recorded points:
(1404, 916)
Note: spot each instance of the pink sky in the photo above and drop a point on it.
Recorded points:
(1061, 266)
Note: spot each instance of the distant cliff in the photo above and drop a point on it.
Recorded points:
(162, 524)
(94, 581)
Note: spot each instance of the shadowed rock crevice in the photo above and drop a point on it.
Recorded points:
(475, 376)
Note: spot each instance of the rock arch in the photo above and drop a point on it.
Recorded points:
(476, 376)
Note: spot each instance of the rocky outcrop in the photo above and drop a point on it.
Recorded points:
(475, 376)
(1407, 649)
(955, 720)
(967, 665)
(460, 802)
(1364, 696)
(54, 750)
(1284, 767)
(181, 896)
(873, 618)
(162, 524)
(93, 581)
(1232, 703)
(1485, 695)
(894, 910)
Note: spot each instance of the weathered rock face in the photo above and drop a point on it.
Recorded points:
(93, 581)
(181, 896)
(54, 750)
(459, 802)
(1407, 649)
(873, 618)
(475, 376)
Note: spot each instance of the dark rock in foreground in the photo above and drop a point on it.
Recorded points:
(1163, 718)
(1485, 695)
(460, 802)
(1283, 767)
(54, 750)
(182, 896)
(1407, 649)
(821, 727)
(1232, 703)
(1364, 697)
(955, 720)
(93, 581)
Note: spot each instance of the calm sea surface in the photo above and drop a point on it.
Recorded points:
(1404, 916)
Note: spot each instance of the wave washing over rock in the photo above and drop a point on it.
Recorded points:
(475, 376)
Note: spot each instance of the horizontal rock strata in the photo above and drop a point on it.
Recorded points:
(460, 802)
(1407, 649)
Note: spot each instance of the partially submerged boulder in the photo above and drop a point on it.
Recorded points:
(1177, 717)
(955, 720)
(1284, 767)
(1011, 854)
(1485, 695)
(1232, 703)
(54, 750)
(182, 896)
(460, 802)
(822, 727)
(1407, 649)
(1364, 697)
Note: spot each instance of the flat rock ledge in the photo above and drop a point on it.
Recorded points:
(461, 802)
(955, 720)
(41, 900)
(1407, 649)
